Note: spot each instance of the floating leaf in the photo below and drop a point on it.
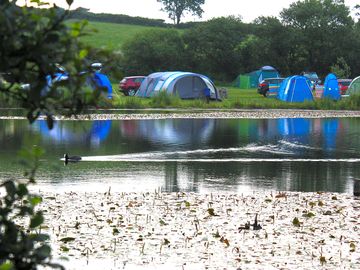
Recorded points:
(64, 248)
(166, 242)
(322, 260)
(187, 204)
(67, 239)
(216, 235)
(352, 247)
(225, 241)
(309, 215)
(296, 222)
(162, 222)
(211, 212)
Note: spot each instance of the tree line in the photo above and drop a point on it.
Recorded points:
(310, 35)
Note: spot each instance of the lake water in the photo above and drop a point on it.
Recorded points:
(190, 155)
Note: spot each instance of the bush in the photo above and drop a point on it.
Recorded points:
(164, 100)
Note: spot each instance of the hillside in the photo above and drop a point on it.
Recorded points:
(112, 35)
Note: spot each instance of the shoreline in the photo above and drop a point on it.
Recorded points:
(151, 230)
(202, 114)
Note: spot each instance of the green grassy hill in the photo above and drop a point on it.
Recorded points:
(112, 35)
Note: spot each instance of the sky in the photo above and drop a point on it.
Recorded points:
(248, 10)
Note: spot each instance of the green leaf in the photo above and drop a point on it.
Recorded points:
(10, 188)
(39, 237)
(6, 266)
(36, 220)
(43, 252)
(35, 200)
(22, 190)
(83, 53)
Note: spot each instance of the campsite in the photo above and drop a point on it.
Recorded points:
(215, 142)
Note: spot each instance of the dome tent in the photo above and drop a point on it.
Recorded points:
(295, 89)
(331, 87)
(186, 85)
(252, 79)
(354, 88)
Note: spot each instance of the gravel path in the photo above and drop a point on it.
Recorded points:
(250, 114)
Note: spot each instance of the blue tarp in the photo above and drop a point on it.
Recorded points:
(295, 89)
(101, 80)
(331, 87)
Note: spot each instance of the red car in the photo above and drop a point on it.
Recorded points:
(129, 85)
(343, 85)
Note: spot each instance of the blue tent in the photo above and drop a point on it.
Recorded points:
(295, 89)
(186, 85)
(331, 88)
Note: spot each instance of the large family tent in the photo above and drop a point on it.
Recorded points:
(354, 87)
(295, 89)
(331, 87)
(186, 85)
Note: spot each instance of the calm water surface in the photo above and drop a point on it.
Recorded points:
(199, 155)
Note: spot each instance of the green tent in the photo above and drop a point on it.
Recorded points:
(242, 81)
(252, 79)
(354, 88)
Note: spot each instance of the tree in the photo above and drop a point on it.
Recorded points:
(341, 69)
(32, 42)
(177, 8)
(211, 47)
(272, 46)
(317, 23)
(153, 50)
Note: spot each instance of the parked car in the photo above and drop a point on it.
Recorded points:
(129, 85)
(269, 86)
(344, 85)
(313, 78)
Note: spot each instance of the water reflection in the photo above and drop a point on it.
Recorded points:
(195, 154)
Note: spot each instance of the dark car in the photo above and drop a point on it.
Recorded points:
(344, 85)
(129, 85)
(269, 86)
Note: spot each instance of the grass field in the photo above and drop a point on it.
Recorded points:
(237, 99)
(112, 35)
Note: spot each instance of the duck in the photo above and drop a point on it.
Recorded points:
(68, 158)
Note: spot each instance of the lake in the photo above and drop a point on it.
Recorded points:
(190, 155)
